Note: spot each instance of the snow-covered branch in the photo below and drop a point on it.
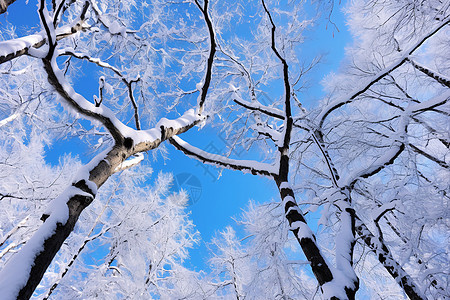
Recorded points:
(127, 82)
(245, 166)
(386, 259)
(12, 49)
(270, 111)
(362, 88)
(442, 79)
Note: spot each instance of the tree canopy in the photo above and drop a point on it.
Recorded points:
(362, 174)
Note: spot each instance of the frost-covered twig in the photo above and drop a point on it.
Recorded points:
(14, 230)
(377, 77)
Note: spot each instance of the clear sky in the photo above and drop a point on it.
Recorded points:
(216, 200)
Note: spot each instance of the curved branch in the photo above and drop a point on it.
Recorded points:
(212, 51)
(81, 105)
(245, 166)
(127, 82)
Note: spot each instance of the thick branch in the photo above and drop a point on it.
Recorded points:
(19, 277)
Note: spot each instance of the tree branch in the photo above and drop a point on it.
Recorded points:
(210, 61)
(245, 166)
(377, 77)
(433, 74)
(127, 82)
(256, 106)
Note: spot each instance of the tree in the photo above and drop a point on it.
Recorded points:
(25, 270)
(364, 158)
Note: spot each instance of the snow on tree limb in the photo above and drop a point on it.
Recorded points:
(246, 166)
(362, 88)
(387, 260)
(270, 111)
(15, 48)
(442, 79)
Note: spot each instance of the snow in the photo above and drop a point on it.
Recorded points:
(335, 288)
(136, 159)
(381, 209)
(16, 45)
(11, 47)
(246, 166)
(58, 208)
(15, 273)
(439, 99)
(344, 241)
(9, 119)
(378, 163)
(365, 84)
(116, 28)
(285, 185)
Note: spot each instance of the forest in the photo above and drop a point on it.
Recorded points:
(360, 173)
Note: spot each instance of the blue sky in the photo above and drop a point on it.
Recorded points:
(221, 199)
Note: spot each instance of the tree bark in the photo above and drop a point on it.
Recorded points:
(389, 263)
(4, 5)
